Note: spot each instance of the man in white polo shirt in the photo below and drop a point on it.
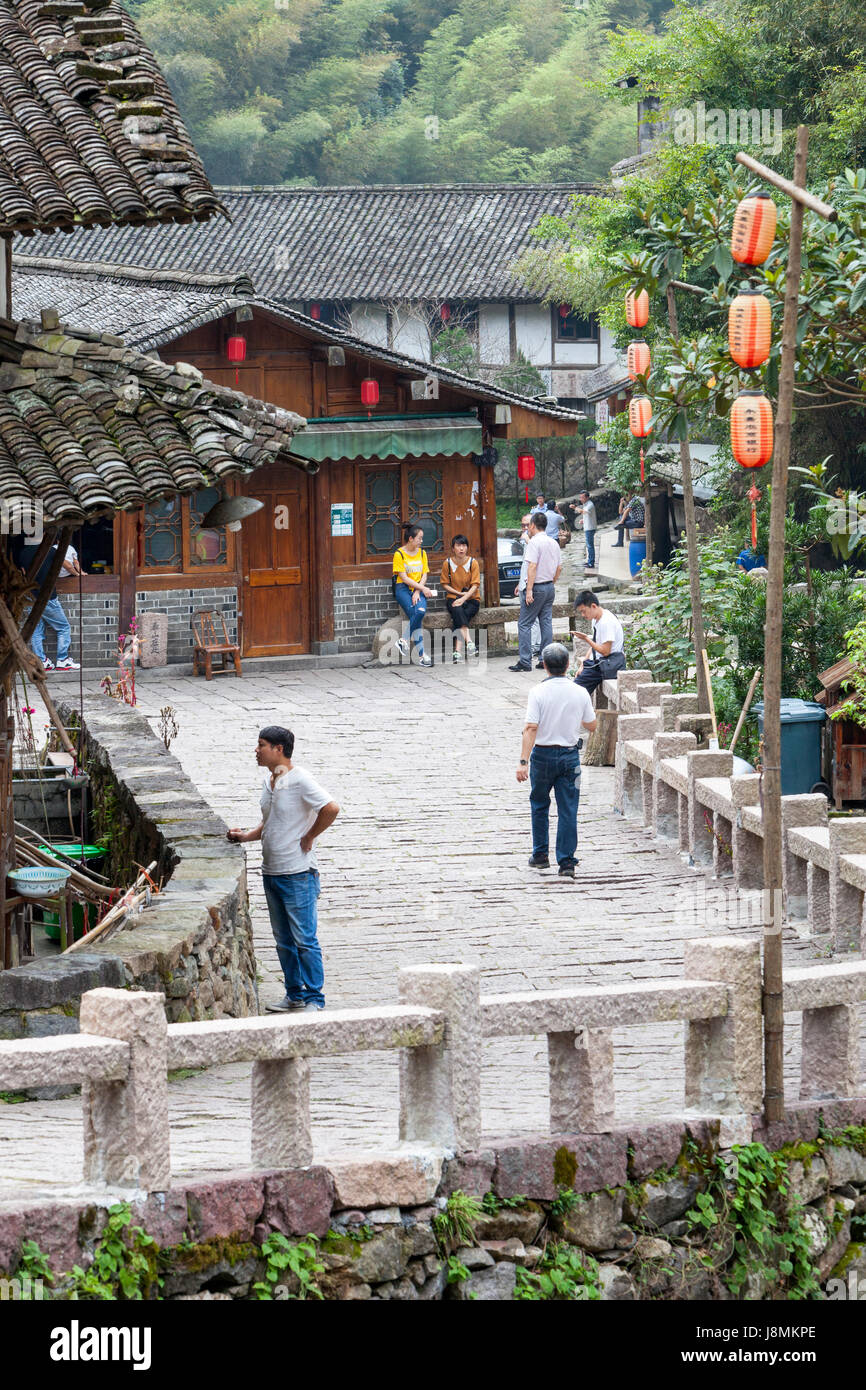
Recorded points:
(605, 655)
(556, 714)
(543, 560)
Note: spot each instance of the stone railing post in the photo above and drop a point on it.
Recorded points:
(627, 781)
(673, 706)
(724, 1056)
(440, 1086)
(126, 1134)
(627, 683)
(650, 694)
(802, 810)
(581, 1081)
(703, 764)
(846, 901)
(280, 1114)
(666, 799)
(748, 848)
(830, 1057)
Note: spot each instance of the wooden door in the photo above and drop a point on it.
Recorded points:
(276, 564)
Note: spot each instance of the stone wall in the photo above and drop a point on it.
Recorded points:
(194, 942)
(612, 1207)
(360, 609)
(101, 629)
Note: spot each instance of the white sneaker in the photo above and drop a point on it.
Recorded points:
(402, 646)
(47, 663)
(471, 648)
(68, 665)
(457, 656)
(426, 661)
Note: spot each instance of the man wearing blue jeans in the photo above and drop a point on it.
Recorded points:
(556, 713)
(295, 811)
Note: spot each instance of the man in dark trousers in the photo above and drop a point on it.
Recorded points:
(295, 811)
(543, 560)
(556, 713)
(605, 655)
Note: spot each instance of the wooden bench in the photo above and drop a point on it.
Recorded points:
(210, 639)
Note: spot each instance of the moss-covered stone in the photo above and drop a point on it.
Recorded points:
(564, 1167)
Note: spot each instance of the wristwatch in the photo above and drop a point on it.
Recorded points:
(524, 762)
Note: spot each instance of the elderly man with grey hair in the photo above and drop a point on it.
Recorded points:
(556, 712)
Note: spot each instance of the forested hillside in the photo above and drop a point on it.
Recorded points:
(395, 91)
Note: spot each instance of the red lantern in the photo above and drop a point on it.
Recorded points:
(638, 359)
(237, 351)
(369, 392)
(526, 470)
(753, 230)
(637, 309)
(754, 497)
(445, 312)
(315, 311)
(749, 328)
(640, 416)
(752, 429)
(564, 311)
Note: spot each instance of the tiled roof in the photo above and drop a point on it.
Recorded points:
(151, 309)
(407, 241)
(89, 133)
(89, 426)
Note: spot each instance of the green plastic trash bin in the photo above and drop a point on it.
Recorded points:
(93, 857)
(800, 723)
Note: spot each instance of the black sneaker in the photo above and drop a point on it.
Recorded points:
(518, 667)
(539, 861)
(539, 665)
(566, 870)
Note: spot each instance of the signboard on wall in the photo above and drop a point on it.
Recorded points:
(602, 418)
(342, 518)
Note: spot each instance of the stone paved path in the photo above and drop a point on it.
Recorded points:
(427, 862)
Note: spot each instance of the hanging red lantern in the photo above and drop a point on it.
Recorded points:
(445, 312)
(753, 230)
(752, 429)
(638, 359)
(640, 416)
(754, 497)
(526, 470)
(749, 328)
(237, 352)
(315, 311)
(369, 392)
(637, 309)
(564, 311)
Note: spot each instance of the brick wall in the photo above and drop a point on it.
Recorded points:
(101, 621)
(179, 605)
(360, 609)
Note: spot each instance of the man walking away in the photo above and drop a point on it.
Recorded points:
(556, 712)
(590, 523)
(605, 655)
(295, 811)
(543, 564)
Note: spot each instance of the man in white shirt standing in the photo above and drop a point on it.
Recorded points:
(605, 655)
(590, 525)
(295, 811)
(556, 713)
(543, 561)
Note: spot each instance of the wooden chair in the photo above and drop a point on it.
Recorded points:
(210, 639)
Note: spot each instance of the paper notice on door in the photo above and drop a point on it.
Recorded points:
(342, 518)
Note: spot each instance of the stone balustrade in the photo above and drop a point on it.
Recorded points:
(125, 1050)
(690, 796)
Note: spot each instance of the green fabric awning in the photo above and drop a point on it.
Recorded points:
(388, 436)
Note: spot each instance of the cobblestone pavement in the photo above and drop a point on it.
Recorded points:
(426, 863)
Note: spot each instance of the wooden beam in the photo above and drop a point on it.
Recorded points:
(801, 198)
(126, 563)
(322, 557)
(489, 548)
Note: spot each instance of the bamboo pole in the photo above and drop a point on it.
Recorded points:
(698, 635)
(744, 711)
(714, 740)
(774, 1090)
